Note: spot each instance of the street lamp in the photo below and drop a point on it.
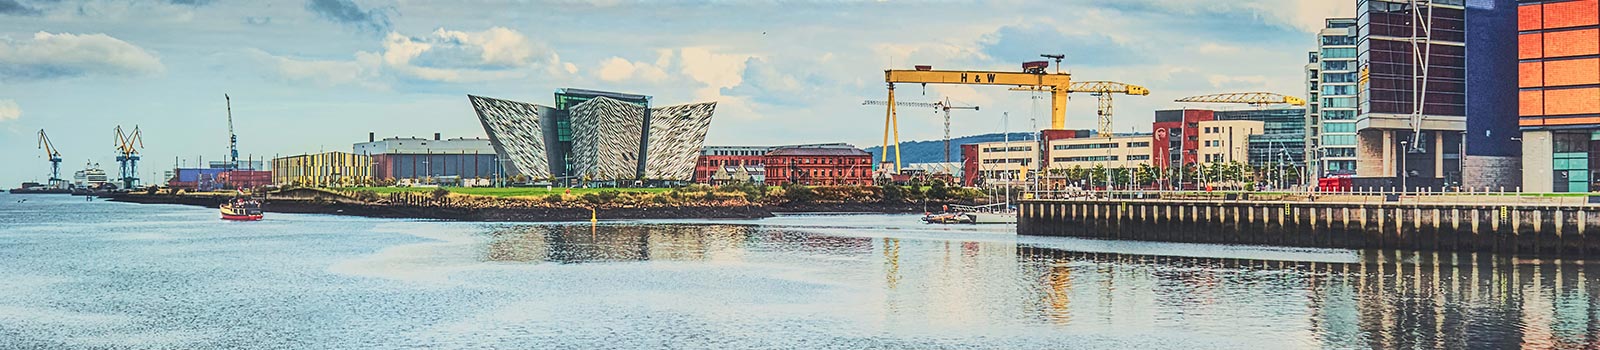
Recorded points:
(1403, 172)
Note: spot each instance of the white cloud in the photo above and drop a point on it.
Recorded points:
(9, 110)
(617, 69)
(50, 55)
(457, 56)
(717, 70)
(443, 56)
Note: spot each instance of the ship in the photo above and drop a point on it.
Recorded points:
(241, 209)
(90, 177)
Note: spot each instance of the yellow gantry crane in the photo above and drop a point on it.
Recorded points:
(945, 106)
(1258, 99)
(128, 145)
(1033, 74)
(54, 155)
(1101, 89)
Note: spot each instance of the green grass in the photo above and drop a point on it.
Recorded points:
(502, 192)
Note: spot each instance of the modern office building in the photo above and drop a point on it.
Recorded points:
(1176, 136)
(411, 160)
(596, 136)
(322, 169)
(1395, 88)
(1282, 139)
(1313, 116)
(1493, 151)
(1115, 152)
(1227, 141)
(1332, 81)
(1004, 161)
(818, 165)
(1559, 94)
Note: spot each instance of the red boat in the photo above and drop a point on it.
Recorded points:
(242, 209)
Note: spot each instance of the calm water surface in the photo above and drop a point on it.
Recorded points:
(75, 274)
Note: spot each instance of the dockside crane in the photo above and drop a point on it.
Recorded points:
(54, 155)
(233, 140)
(1099, 89)
(945, 106)
(1033, 74)
(1257, 99)
(128, 145)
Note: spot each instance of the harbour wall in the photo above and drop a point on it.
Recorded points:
(1521, 229)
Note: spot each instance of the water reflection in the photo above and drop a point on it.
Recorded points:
(1390, 299)
(1386, 299)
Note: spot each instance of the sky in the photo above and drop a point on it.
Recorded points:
(318, 75)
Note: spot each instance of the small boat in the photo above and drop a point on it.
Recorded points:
(242, 209)
(1000, 213)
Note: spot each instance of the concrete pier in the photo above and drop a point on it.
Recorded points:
(1522, 229)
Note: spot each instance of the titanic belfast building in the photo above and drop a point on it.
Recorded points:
(596, 136)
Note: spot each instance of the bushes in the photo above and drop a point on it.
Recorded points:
(440, 193)
(367, 196)
(798, 193)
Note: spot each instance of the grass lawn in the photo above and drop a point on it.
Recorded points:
(503, 192)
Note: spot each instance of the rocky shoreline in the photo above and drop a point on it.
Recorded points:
(493, 214)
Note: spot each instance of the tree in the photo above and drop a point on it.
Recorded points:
(893, 193)
(938, 190)
(440, 194)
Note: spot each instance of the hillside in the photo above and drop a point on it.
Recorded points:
(929, 151)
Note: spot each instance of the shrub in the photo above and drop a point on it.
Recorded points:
(553, 198)
(893, 193)
(938, 191)
(439, 194)
(799, 193)
(592, 198)
(366, 196)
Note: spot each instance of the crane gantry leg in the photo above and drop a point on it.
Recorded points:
(887, 117)
(894, 120)
(1058, 108)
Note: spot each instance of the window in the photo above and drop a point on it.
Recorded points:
(1339, 102)
(1338, 89)
(1139, 157)
(1138, 144)
(1339, 115)
(1340, 140)
(1339, 127)
(1332, 53)
(1334, 40)
(1335, 65)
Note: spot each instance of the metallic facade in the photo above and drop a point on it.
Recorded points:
(606, 139)
(676, 135)
(514, 129)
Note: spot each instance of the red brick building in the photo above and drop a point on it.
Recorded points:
(1177, 130)
(717, 158)
(832, 165)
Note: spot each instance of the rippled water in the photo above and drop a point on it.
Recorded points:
(93, 275)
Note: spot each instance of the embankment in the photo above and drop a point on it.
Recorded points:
(317, 203)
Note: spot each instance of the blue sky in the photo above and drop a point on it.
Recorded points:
(314, 75)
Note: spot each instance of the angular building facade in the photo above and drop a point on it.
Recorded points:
(1390, 41)
(675, 138)
(596, 136)
(606, 138)
(515, 130)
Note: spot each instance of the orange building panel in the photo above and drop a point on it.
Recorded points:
(1567, 14)
(1585, 71)
(1572, 101)
(1571, 121)
(1530, 122)
(1531, 103)
(1571, 42)
(1530, 74)
(1530, 46)
(1529, 17)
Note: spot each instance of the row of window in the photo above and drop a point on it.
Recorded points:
(1085, 159)
(1023, 161)
(1008, 149)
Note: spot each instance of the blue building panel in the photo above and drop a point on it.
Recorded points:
(1491, 81)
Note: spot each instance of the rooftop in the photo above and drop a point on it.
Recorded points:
(819, 151)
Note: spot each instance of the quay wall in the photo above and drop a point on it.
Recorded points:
(1522, 229)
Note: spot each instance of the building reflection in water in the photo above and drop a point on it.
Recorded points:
(1390, 299)
(1379, 299)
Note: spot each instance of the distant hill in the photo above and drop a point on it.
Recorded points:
(930, 152)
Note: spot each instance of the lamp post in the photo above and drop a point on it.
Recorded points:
(1403, 173)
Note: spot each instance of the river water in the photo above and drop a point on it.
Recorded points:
(76, 274)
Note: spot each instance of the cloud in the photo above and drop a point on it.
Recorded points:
(1020, 43)
(617, 69)
(66, 55)
(348, 13)
(456, 56)
(785, 84)
(9, 110)
(12, 7)
(441, 56)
